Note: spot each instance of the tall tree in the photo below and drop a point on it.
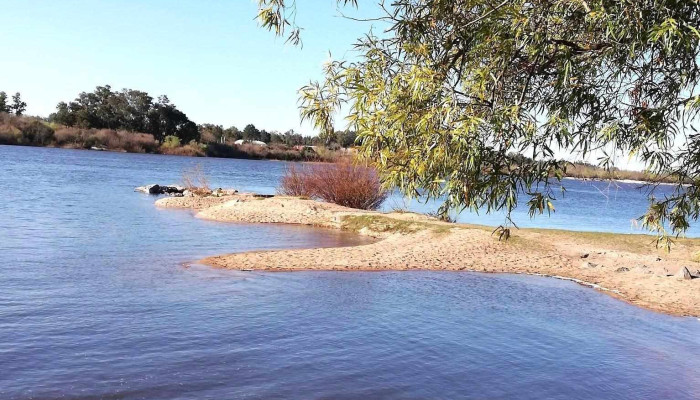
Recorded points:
(452, 87)
(18, 106)
(166, 120)
(4, 107)
(250, 132)
(265, 136)
(64, 115)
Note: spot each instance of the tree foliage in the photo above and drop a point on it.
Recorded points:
(451, 87)
(4, 107)
(131, 110)
(17, 107)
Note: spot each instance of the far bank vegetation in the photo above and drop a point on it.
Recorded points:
(133, 121)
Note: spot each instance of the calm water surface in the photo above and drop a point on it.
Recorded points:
(95, 302)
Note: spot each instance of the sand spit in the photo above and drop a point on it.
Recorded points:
(625, 266)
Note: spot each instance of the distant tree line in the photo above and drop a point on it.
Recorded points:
(217, 133)
(137, 111)
(17, 107)
(131, 110)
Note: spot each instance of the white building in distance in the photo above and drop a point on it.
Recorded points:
(240, 142)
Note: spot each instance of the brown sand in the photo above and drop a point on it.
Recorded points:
(629, 267)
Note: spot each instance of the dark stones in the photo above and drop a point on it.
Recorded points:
(156, 189)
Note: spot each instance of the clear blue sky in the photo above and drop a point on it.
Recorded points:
(208, 56)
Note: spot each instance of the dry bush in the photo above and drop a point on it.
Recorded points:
(191, 150)
(68, 135)
(9, 134)
(327, 155)
(104, 138)
(207, 137)
(295, 182)
(342, 183)
(195, 180)
(35, 132)
(135, 142)
(27, 131)
(253, 150)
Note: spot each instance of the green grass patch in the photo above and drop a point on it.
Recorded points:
(382, 224)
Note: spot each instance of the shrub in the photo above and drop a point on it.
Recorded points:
(9, 134)
(295, 182)
(342, 183)
(191, 150)
(28, 131)
(138, 142)
(68, 135)
(171, 141)
(224, 151)
(195, 180)
(37, 133)
(116, 140)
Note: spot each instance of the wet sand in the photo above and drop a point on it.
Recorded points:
(628, 267)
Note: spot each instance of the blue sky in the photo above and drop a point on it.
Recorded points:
(209, 57)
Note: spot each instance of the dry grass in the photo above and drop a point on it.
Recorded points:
(342, 183)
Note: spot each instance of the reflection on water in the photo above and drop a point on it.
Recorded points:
(95, 303)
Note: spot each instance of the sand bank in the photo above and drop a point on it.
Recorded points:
(625, 266)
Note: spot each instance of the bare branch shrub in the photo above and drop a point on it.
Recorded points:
(342, 183)
(195, 180)
(295, 182)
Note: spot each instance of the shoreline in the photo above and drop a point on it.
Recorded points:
(295, 160)
(630, 181)
(243, 156)
(625, 266)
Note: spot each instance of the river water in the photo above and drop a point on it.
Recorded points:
(97, 301)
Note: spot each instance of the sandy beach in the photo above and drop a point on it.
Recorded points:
(628, 267)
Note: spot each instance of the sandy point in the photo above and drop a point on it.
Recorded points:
(628, 267)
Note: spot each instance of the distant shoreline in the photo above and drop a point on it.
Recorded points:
(18, 130)
(630, 181)
(237, 152)
(624, 266)
(330, 156)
